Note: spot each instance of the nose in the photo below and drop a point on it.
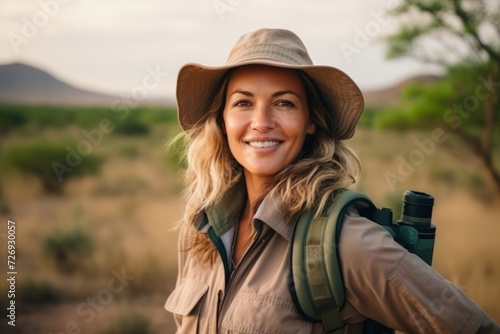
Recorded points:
(262, 118)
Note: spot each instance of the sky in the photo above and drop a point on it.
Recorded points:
(111, 46)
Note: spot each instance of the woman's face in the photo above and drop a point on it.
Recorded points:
(266, 119)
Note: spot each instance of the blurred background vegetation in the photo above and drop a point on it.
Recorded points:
(109, 205)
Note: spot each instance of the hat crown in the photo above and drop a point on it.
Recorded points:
(197, 84)
(277, 45)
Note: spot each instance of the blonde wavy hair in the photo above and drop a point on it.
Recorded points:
(324, 165)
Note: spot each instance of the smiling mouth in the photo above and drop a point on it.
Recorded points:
(264, 144)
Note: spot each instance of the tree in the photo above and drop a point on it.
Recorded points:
(463, 37)
(49, 162)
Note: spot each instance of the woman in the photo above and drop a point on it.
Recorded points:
(264, 136)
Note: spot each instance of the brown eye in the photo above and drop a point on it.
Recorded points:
(242, 103)
(285, 103)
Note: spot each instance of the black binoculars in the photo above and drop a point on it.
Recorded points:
(414, 229)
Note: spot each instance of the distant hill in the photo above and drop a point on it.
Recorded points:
(24, 84)
(391, 95)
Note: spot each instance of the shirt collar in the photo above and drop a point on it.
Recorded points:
(272, 214)
(226, 213)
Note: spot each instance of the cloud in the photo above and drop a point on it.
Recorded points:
(107, 44)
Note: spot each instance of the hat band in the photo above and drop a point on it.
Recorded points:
(270, 52)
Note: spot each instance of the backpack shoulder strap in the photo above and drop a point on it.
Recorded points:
(317, 285)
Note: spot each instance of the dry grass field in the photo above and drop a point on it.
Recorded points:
(129, 209)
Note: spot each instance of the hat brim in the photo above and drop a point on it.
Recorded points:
(197, 84)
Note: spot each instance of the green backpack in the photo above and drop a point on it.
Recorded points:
(317, 285)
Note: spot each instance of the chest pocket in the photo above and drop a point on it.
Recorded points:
(185, 303)
(264, 314)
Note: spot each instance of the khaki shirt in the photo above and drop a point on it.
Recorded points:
(383, 281)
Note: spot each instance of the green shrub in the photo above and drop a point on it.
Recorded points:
(68, 248)
(37, 292)
(135, 120)
(368, 116)
(49, 162)
(10, 119)
(132, 323)
(42, 115)
(132, 126)
(156, 115)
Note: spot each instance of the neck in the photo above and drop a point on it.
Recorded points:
(257, 187)
(244, 234)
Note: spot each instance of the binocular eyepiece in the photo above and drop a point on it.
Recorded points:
(414, 229)
(417, 208)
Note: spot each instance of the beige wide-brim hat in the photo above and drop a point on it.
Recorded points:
(197, 84)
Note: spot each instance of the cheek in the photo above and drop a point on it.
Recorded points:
(233, 126)
(225, 123)
(297, 128)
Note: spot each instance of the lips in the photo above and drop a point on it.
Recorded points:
(264, 144)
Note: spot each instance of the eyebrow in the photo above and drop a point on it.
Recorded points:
(278, 93)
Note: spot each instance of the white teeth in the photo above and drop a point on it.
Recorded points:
(262, 144)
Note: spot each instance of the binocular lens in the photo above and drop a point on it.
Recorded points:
(417, 208)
